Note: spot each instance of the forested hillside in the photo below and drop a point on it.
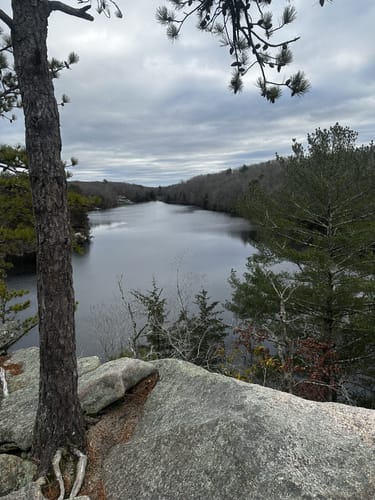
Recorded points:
(112, 194)
(224, 190)
(221, 191)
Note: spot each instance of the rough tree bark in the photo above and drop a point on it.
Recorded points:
(59, 419)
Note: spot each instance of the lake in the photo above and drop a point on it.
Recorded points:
(141, 242)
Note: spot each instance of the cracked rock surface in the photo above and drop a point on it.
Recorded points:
(206, 436)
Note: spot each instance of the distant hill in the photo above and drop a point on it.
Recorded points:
(113, 194)
(221, 191)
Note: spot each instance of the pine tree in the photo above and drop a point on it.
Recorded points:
(323, 222)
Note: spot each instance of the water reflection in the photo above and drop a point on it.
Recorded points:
(149, 240)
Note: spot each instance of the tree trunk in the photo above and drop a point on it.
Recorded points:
(59, 420)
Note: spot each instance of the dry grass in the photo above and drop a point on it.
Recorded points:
(12, 368)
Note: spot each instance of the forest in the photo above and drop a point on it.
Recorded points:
(112, 194)
(217, 191)
(222, 191)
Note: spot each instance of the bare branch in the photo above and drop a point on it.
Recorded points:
(6, 19)
(67, 9)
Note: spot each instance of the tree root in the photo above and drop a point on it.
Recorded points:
(38, 485)
(80, 475)
(56, 469)
(3, 381)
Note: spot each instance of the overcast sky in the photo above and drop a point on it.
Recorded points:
(153, 112)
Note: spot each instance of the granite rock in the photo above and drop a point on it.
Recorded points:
(206, 436)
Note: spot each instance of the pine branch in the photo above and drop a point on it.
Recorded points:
(247, 39)
(67, 9)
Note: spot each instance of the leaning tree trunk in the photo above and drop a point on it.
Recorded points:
(59, 420)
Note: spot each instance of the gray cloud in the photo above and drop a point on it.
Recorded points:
(148, 111)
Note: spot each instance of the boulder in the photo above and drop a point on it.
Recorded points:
(87, 365)
(17, 415)
(28, 361)
(18, 410)
(206, 436)
(15, 473)
(25, 493)
(110, 381)
(99, 386)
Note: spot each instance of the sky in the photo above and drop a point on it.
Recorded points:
(150, 111)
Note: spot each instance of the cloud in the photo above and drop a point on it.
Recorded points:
(153, 112)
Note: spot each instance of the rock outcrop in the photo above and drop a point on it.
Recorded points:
(108, 383)
(18, 410)
(205, 436)
(15, 473)
(98, 386)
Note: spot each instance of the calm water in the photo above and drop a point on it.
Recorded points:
(137, 243)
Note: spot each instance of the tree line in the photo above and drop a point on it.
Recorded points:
(217, 191)
(112, 194)
(223, 190)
